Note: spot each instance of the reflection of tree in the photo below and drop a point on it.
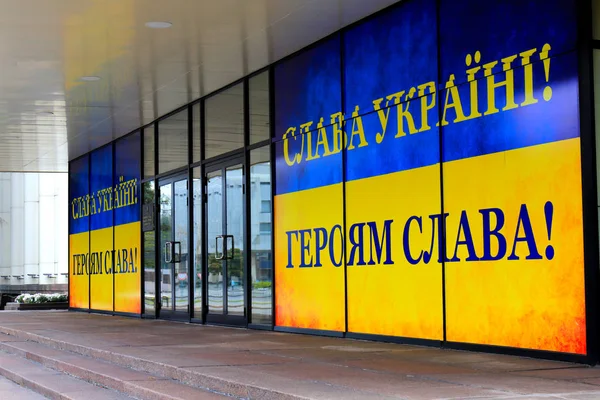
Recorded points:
(149, 250)
(148, 189)
(234, 266)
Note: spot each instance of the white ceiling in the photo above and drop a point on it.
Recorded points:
(46, 46)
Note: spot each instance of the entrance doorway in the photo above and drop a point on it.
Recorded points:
(225, 233)
(174, 278)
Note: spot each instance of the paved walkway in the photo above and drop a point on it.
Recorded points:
(10, 390)
(307, 366)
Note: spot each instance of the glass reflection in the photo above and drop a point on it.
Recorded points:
(225, 121)
(173, 142)
(259, 109)
(235, 228)
(166, 230)
(196, 127)
(261, 258)
(214, 229)
(149, 257)
(149, 152)
(197, 248)
(181, 288)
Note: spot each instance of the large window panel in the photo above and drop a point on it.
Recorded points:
(101, 229)
(173, 142)
(149, 158)
(309, 232)
(148, 194)
(79, 235)
(196, 132)
(225, 121)
(127, 268)
(261, 254)
(512, 195)
(198, 206)
(259, 107)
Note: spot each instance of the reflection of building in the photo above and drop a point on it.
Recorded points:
(33, 237)
(260, 233)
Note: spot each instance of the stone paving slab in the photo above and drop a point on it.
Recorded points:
(99, 372)
(246, 363)
(50, 383)
(11, 391)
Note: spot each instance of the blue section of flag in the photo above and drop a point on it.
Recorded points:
(391, 53)
(308, 86)
(78, 189)
(127, 167)
(100, 182)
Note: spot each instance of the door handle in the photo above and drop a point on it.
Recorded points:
(217, 256)
(169, 252)
(172, 252)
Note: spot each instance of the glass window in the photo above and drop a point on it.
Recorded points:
(259, 108)
(149, 152)
(197, 245)
(261, 260)
(225, 121)
(149, 257)
(173, 142)
(265, 206)
(196, 127)
(265, 227)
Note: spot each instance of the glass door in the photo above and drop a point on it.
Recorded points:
(225, 260)
(174, 261)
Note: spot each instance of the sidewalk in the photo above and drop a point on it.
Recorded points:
(256, 364)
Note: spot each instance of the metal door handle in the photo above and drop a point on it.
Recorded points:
(172, 252)
(168, 252)
(222, 256)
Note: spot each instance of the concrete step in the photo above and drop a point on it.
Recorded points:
(234, 386)
(50, 383)
(10, 390)
(140, 385)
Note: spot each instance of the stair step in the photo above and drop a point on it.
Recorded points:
(141, 385)
(52, 384)
(10, 390)
(231, 386)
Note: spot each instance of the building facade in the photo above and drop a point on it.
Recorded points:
(426, 175)
(33, 235)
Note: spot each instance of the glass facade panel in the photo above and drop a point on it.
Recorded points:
(149, 152)
(234, 245)
(197, 237)
(149, 273)
(215, 228)
(196, 129)
(225, 121)
(261, 257)
(180, 233)
(173, 142)
(149, 257)
(166, 232)
(259, 108)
